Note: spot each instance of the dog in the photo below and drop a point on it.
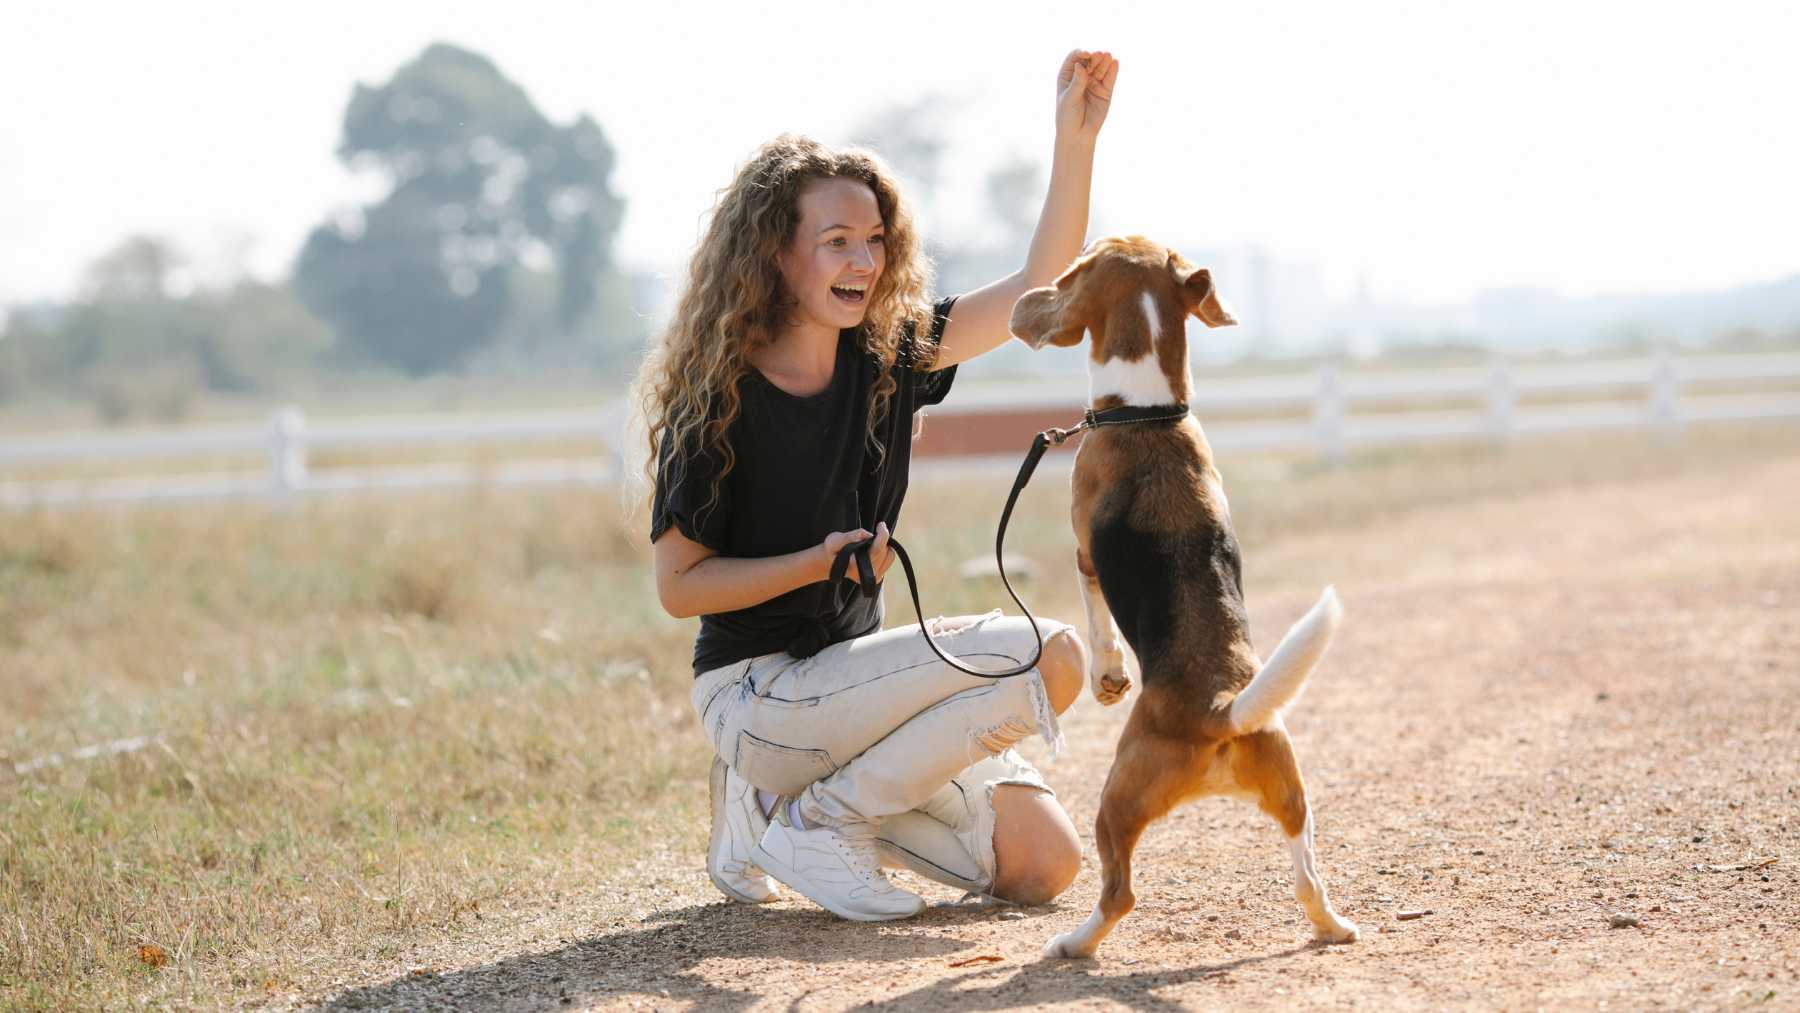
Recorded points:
(1159, 564)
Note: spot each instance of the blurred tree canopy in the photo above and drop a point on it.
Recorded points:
(137, 344)
(481, 189)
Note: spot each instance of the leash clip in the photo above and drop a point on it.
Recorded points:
(1056, 437)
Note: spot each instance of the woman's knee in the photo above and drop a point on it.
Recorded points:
(1064, 667)
(1036, 850)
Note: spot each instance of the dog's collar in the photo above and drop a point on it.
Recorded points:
(1125, 415)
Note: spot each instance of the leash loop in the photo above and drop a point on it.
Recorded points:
(869, 586)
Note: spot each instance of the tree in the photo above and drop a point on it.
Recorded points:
(480, 182)
(138, 269)
(135, 347)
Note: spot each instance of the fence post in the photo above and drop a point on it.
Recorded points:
(287, 453)
(615, 425)
(1665, 396)
(1502, 400)
(1328, 415)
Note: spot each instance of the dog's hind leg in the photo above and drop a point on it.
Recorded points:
(1116, 832)
(1265, 764)
(1108, 677)
(1146, 781)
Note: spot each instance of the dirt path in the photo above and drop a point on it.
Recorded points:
(1541, 711)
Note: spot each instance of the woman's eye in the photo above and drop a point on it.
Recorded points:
(878, 239)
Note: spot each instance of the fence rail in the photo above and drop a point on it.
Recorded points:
(1644, 394)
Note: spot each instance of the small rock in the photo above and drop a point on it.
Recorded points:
(1234, 934)
(1623, 921)
(1007, 916)
(1018, 568)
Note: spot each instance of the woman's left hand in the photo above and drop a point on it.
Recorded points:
(880, 555)
(1084, 88)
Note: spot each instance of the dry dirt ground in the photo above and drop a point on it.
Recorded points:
(1543, 710)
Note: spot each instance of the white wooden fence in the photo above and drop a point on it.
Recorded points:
(1327, 411)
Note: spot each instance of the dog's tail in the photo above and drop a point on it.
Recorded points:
(1278, 684)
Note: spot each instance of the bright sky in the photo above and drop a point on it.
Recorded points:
(1434, 148)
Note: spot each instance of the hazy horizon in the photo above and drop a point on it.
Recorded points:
(1431, 153)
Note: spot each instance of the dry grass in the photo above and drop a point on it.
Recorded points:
(375, 723)
(366, 719)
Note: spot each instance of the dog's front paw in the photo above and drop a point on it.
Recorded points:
(1110, 680)
(1067, 947)
(1111, 689)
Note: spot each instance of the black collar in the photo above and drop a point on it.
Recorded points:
(1126, 415)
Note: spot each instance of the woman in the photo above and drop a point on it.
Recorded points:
(779, 406)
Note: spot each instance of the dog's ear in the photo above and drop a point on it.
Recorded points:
(1051, 315)
(1200, 295)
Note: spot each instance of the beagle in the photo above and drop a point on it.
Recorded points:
(1159, 563)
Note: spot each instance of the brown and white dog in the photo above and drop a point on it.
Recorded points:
(1159, 563)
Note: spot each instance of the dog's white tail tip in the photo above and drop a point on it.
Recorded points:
(1278, 684)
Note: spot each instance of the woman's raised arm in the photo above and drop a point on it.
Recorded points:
(978, 322)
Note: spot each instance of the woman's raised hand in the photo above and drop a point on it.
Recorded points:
(879, 554)
(1084, 88)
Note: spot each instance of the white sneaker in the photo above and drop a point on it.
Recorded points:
(837, 869)
(737, 824)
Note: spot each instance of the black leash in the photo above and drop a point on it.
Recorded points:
(865, 569)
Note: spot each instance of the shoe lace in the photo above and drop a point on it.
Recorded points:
(857, 843)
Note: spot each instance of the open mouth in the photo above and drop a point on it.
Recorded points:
(851, 295)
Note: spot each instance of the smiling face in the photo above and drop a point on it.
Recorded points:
(836, 255)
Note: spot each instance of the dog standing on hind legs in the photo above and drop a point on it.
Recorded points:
(1159, 565)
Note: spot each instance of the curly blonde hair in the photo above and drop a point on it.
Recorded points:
(734, 300)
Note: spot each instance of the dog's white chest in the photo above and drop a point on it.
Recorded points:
(1139, 381)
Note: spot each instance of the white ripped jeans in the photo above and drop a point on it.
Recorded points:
(879, 726)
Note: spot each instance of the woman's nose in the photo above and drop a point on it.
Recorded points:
(865, 257)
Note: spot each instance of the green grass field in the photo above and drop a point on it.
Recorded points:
(368, 723)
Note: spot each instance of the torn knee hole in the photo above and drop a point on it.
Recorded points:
(1003, 736)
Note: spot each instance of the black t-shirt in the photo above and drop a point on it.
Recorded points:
(803, 469)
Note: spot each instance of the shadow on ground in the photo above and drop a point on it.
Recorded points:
(660, 959)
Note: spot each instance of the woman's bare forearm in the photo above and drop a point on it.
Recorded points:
(727, 583)
(1062, 225)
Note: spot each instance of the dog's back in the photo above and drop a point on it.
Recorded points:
(1161, 542)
